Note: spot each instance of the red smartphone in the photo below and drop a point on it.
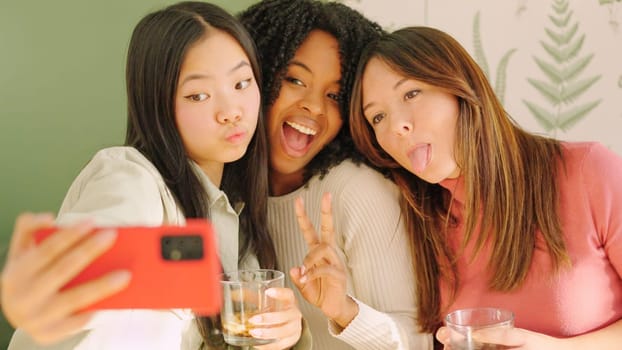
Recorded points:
(171, 266)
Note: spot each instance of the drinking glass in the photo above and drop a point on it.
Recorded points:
(244, 296)
(463, 323)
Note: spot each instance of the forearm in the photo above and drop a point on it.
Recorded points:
(607, 338)
(22, 341)
(375, 249)
(372, 329)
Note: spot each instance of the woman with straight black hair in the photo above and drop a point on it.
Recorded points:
(195, 148)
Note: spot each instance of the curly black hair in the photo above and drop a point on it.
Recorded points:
(279, 27)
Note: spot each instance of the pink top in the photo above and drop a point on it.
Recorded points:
(579, 299)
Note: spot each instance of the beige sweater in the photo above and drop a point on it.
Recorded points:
(373, 243)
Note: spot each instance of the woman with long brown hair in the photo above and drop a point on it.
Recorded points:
(497, 216)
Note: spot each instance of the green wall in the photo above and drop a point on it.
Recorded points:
(62, 96)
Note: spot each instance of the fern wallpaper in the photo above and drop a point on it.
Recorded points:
(556, 64)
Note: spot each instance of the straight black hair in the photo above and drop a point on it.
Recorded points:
(156, 52)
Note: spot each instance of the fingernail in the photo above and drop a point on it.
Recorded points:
(303, 269)
(255, 319)
(120, 278)
(106, 236)
(441, 334)
(303, 279)
(256, 332)
(272, 293)
(86, 226)
(40, 217)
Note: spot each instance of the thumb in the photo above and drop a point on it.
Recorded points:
(442, 335)
(284, 297)
(511, 337)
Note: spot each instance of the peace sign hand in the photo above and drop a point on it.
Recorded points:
(321, 278)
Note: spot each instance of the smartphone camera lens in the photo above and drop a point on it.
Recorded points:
(186, 247)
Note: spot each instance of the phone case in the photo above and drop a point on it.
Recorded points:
(171, 266)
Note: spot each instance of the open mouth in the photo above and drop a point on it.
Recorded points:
(297, 138)
(420, 157)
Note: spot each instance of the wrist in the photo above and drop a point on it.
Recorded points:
(348, 313)
(568, 343)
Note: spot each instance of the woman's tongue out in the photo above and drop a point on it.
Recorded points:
(296, 143)
(420, 157)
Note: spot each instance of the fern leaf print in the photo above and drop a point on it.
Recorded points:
(613, 17)
(560, 22)
(543, 117)
(571, 117)
(480, 58)
(577, 67)
(501, 75)
(573, 90)
(562, 69)
(548, 91)
(552, 72)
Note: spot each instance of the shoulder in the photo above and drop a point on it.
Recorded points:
(117, 185)
(580, 151)
(591, 173)
(121, 162)
(591, 158)
(123, 155)
(358, 186)
(348, 176)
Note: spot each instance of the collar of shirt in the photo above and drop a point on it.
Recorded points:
(214, 194)
(225, 221)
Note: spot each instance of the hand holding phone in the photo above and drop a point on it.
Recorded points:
(34, 274)
(171, 267)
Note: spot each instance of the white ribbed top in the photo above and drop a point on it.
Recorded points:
(373, 244)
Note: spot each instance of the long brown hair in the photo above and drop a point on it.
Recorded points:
(509, 174)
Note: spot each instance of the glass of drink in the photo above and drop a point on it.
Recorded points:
(463, 323)
(244, 296)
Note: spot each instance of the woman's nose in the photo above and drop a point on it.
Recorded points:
(228, 112)
(402, 125)
(313, 102)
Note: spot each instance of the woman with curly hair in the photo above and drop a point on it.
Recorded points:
(498, 217)
(308, 53)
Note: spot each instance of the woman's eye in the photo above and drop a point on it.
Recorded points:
(197, 97)
(411, 94)
(295, 81)
(241, 85)
(334, 96)
(377, 118)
